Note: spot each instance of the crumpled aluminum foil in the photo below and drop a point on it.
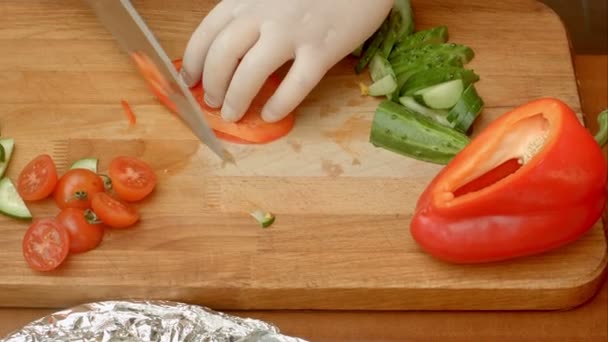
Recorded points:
(157, 321)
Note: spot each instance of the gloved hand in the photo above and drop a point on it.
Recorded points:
(265, 34)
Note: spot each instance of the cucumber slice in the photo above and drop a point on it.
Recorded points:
(11, 203)
(438, 115)
(397, 129)
(85, 163)
(379, 67)
(441, 96)
(463, 52)
(8, 145)
(466, 110)
(406, 25)
(400, 25)
(264, 218)
(373, 47)
(384, 86)
(431, 77)
(2, 154)
(411, 66)
(434, 35)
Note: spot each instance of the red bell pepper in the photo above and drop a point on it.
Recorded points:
(533, 180)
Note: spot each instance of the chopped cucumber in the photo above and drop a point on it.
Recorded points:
(434, 35)
(384, 86)
(412, 66)
(8, 145)
(2, 154)
(405, 72)
(400, 25)
(439, 115)
(11, 203)
(463, 52)
(373, 47)
(85, 163)
(397, 129)
(441, 96)
(431, 77)
(265, 219)
(466, 110)
(379, 67)
(383, 76)
(406, 27)
(602, 133)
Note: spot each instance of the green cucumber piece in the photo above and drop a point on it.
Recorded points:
(8, 144)
(602, 133)
(2, 154)
(397, 129)
(11, 203)
(406, 27)
(431, 77)
(434, 35)
(405, 72)
(441, 96)
(379, 67)
(264, 219)
(466, 110)
(427, 52)
(384, 86)
(400, 24)
(438, 115)
(391, 35)
(85, 163)
(411, 66)
(373, 47)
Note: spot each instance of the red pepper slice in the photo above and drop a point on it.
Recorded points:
(532, 181)
(251, 129)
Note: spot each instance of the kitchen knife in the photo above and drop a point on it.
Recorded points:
(133, 35)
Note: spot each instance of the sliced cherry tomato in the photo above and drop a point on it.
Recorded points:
(132, 179)
(112, 212)
(85, 233)
(45, 245)
(37, 179)
(250, 129)
(76, 187)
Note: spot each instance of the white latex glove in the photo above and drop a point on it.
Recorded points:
(317, 34)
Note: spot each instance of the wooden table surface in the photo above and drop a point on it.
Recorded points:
(588, 322)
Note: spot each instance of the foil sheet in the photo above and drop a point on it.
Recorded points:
(154, 321)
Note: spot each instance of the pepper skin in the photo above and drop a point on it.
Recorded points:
(532, 181)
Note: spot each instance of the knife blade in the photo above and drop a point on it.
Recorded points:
(133, 35)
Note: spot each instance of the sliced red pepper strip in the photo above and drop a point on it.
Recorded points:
(251, 129)
(532, 181)
(128, 112)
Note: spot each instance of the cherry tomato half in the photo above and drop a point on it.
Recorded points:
(112, 212)
(45, 245)
(37, 179)
(85, 235)
(132, 179)
(76, 188)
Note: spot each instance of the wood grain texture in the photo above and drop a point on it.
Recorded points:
(588, 322)
(341, 239)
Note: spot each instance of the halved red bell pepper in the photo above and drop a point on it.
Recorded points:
(532, 181)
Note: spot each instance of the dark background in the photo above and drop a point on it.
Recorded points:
(586, 22)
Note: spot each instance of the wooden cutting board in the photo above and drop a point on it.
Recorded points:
(341, 239)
